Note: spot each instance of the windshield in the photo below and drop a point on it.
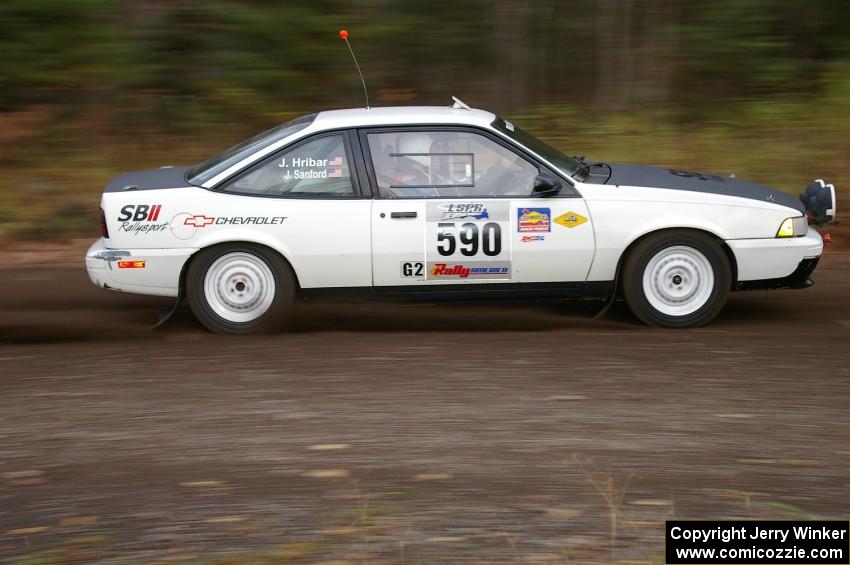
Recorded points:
(223, 161)
(563, 162)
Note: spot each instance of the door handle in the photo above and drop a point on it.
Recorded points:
(402, 214)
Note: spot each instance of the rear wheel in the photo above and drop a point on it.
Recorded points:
(677, 279)
(240, 289)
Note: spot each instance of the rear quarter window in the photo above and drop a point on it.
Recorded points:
(318, 168)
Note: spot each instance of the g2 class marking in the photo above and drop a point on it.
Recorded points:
(413, 269)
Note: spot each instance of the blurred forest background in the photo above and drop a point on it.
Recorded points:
(91, 88)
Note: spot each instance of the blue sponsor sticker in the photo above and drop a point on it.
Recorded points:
(533, 219)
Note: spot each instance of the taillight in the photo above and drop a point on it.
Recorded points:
(104, 231)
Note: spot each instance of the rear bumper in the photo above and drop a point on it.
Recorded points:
(774, 258)
(160, 275)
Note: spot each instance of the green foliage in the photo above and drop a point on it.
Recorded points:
(89, 88)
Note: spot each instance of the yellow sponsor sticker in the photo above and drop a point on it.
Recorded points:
(570, 220)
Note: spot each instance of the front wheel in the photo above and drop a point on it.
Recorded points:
(677, 279)
(240, 289)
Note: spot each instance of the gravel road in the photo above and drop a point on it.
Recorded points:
(410, 433)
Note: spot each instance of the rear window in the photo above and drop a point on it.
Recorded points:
(223, 161)
(317, 168)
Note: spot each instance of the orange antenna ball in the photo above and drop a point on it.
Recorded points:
(343, 34)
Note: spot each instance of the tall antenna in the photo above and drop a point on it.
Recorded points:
(343, 34)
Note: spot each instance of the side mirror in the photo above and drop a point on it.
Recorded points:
(546, 185)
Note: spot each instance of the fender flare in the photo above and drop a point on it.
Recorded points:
(267, 242)
(733, 264)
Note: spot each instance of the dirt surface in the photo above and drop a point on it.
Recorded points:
(416, 433)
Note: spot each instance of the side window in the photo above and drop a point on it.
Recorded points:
(317, 168)
(423, 164)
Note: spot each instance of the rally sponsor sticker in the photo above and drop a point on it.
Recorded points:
(570, 219)
(184, 225)
(467, 240)
(141, 219)
(533, 220)
(469, 270)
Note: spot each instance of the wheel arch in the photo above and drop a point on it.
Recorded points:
(730, 256)
(181, 289)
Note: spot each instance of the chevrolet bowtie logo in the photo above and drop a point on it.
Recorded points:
(198, 221)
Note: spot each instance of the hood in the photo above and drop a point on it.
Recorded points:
(674, 179)
(153, 179)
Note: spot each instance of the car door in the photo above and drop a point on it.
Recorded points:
(454, 206)
(304, 201)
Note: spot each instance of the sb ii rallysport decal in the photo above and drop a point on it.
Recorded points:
(467, 240)
(141, 218)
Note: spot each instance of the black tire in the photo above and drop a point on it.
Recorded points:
(275, 316)
(639, 259)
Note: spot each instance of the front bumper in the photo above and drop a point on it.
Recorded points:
(774, 258)
(800, 278)
(159, 277)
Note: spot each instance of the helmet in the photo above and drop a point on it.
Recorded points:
(415, 145)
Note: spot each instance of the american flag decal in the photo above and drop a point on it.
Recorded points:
(334, 173)
(335, 161)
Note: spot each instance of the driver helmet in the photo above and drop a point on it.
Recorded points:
(418, 143)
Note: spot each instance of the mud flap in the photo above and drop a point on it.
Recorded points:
(613, 298)
(166, 315)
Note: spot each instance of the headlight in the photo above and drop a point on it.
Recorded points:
(793, 227)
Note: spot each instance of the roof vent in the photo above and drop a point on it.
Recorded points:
(458, 104)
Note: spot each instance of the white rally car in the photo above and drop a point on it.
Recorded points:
(443, 202)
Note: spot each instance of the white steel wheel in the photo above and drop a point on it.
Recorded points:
(678, 280)
(239, 287)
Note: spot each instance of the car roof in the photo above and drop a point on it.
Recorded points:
(458, 114)
(401, 115)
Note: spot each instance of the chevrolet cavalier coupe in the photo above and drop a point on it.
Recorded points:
(436, 203)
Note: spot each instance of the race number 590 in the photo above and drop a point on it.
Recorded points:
(469, 239)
